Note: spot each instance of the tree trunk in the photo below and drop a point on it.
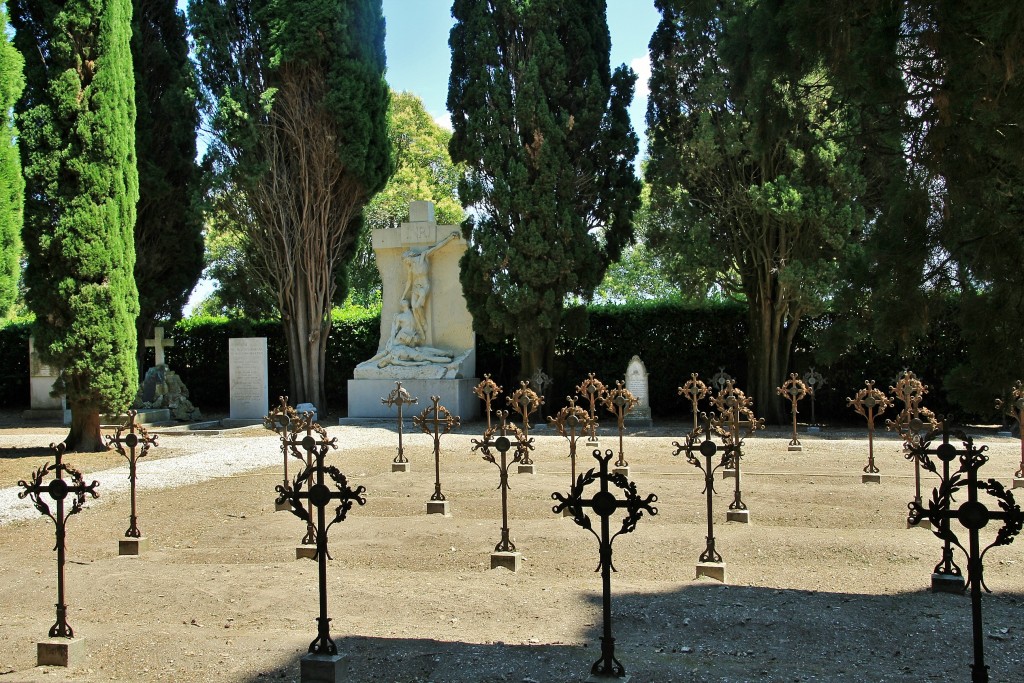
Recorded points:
(85, 435)
(306, 329)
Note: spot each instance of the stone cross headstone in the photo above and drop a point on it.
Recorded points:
(638, 385)
(248, 378)
(158, 343)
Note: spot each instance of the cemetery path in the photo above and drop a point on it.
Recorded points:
(825, 584)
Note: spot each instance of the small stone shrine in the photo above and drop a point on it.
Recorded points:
(134, 542)
(42, 404)
(639, 386)
(426, 331)
(62, 648)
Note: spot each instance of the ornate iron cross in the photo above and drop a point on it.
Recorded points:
(399, 397)
(430, 421)
(594, 391)
(525, 401)
(1015, 409)
(58, 489)
(720, 379)
(320, 495)
(974, 515)
(604, 504)
(707, 449)
(945, 452)
(870, 402)
(815, 381)
(695, 391)
(308, 443)
(736, 420)
(487, 391)
(503, 445)
(280, 420)
(141, 440)
(619, 401)
(795, 390)
(572, 422)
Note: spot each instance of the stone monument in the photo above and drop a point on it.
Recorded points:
(43, 406)
(248, 379)
(426, 331)
(636, 382)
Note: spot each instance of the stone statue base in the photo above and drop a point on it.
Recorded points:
(457, 396)
(431, 371)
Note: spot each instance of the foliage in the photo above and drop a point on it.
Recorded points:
(168, 229)
(753, 185)
(238, 293)
(12, 184)
(77, 119)
(297, 102)
(540, 121)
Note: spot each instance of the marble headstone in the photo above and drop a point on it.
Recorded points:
(636, 382)
(248, 378)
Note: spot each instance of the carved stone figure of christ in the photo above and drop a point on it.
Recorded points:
(404, 346)
(417, 284)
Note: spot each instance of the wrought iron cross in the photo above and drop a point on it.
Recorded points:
(604, 504)
(280, 420)
(572, 422)
(141, 440)
(707, 449)
(399, 397)
(695, 391)
(430, 421)
(946, 453)
(594, 391)
(525, 401)
(58, 489)
(1015, 409)
(308, 443)
(320, 495)
(619, 401)
(736, 419)
(486, 391)
(503, 445)
(795, 390)
(720, 379)
(974, 515)
(815, 381)
(870, 402)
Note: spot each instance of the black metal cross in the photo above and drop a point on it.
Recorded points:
(815, 381)
(707, 449)
(309, 444)
(870, 402)
(572, 422)
(141, 440)
(974, 515)
(280, 420)
(619, 401)
(605, 504)
(399, 397)
(736, 420)
(525, 401)
(695, 391)
(486, 391)
(430, 421)
(57, 490)
(320, 495)
(503, 445)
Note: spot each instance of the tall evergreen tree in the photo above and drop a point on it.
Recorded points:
(168, 230)
(540, 121)
(12, 184)
(298, 104)
(77, 128)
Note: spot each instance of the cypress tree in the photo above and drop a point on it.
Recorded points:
(12, 185)
(541, 122)
(78, 153)
(168, 230)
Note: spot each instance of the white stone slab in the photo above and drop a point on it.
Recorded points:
(456, 395)
(637, 383)
(41, 379)
(248, 378)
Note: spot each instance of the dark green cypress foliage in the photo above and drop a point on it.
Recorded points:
(78, 153)
(168, 231)
(12, 185)
(540, 120)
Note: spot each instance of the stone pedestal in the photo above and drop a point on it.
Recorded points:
(282, 507)
(401, 467)
(322, 668)
(947, 583)
(712, 570)
(742, 516)
(728, 473)
(132, 546)
(67, 652)
(871, 478)
(923, 524)
(1018, 482)
(305, 552)
(794, 448)
(456, 395)
(438, 507)
(509, 561)
(528, 469)
(624, 471)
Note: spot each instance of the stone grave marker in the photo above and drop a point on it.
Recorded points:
(43, 406)
(638, 385)
(248, 378)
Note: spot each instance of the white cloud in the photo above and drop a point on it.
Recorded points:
(642, 67)
(444, 120)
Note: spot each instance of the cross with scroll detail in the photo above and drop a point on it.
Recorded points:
(946, 453)
(736, 422)
(132, 440)
(572, 422)
(865, 402)
(431, 421)
(503, 445)
(400, 397)
(280, 421)
(795, 390)
(310, 444)
(525, 401)
(486, 391)
(619, 402)
(708, 449)
(1015, 409)
(158, 343)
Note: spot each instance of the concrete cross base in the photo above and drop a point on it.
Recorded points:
(742, 516)
(66, 652)
(712, 570)
(401, 467)
(305, 552)
(624, 471)
(132, 546)
(593, 678)
(509, 561)
(868, 478)
(322, 668)
(923, 524)
(1018, 482)
(947, 583)
(528, 469)
(438, 507)
(286, 506)
(795, 448)
(728, 473)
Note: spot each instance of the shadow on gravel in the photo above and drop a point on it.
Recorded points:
(706, 632)
(12, 453)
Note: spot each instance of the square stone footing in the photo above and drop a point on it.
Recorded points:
(624, 471)
(1018, 482)
(606, 679)
(794, 448)
(60, 652)
(742, 516)
(528, 469)
(509, 561)
(728, 474)
(438, 507)
(283, 507)
(712, 570)
(870, 478)
(305, 552)
(132, 546)
(401, 467)
(923, 524)
(322, 668)
(947, 583)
